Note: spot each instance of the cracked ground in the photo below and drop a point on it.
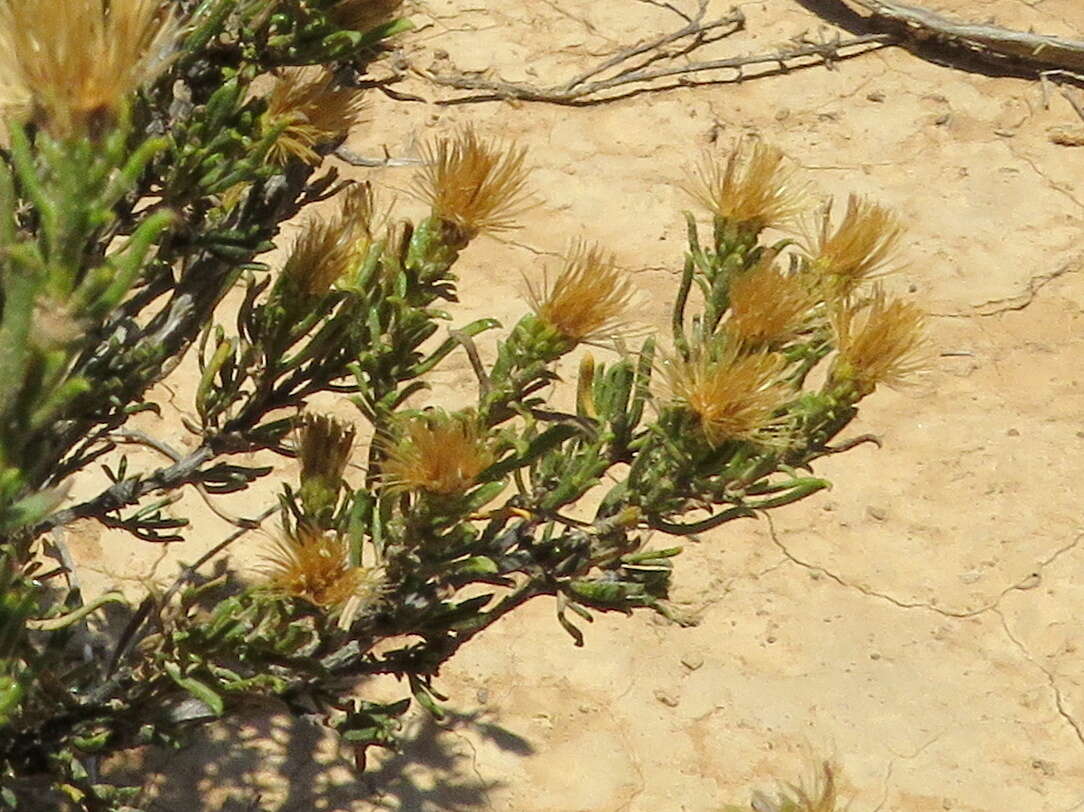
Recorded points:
(919, 624)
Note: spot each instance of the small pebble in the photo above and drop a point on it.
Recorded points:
(692, 661)
(875, 96)
(877, 513)
(1043, 766)
(1013, 433)
(667, 698)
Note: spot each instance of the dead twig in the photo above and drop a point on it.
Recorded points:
(1042, 52)
(139, 438)
(648, 65)
(352, 158)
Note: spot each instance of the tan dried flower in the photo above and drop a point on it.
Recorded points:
(437, 453)
(879, 341)
(858, 249)
(588, 300)
(313, 111)
(314, 566)
(330, 247)
(733, 395)
(475, 185)
(767, 306)
(752, 189)
(364, 15)
(71, 66)
(822, 798)
(324, 448)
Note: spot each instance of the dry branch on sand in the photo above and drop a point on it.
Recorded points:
(661, 63)
(664, 63)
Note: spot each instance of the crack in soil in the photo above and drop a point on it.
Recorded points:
(1059, 700)
(1020, 301)
(1030, 581)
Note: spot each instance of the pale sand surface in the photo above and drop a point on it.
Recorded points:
(919, 624)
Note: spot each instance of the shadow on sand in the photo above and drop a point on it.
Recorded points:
(266, 759)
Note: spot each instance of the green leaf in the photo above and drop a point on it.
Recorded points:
(199, 690)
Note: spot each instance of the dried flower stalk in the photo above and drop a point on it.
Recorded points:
(437, 453)
(475, 185)
(329, 248)
(314, 566)
(823, 797)
(71, 66)
(312, 111)
(734, 396)
(767, 306)
(324, 449)
(879, 341)
(752, 189)
(858, 249)
(589, 300)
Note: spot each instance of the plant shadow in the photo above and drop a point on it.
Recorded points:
(265, 759)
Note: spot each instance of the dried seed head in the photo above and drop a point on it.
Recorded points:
(752, 189)
(330, 247)
(822, 798)
(588, 300)
(767, 306)
(857, 249)
(364, 15)
(474, 185)
(311, 110)
(879, 341)
(324, 448)
(437, 453)
(314, 566)
(71, 66)
(732, 395)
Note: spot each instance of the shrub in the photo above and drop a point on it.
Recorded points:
(153, 154)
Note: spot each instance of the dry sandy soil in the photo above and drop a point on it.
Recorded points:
(919, 624)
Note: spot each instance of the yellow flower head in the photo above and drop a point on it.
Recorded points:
(879, 341)
(71, 66)
(857, 249)
(767, 306)
(312, 111)
(474, 185)
(752, 189)
(588, 300)
(733, 395)
(363, 15)
(330, 247)
(314, 566)
(437, 453)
